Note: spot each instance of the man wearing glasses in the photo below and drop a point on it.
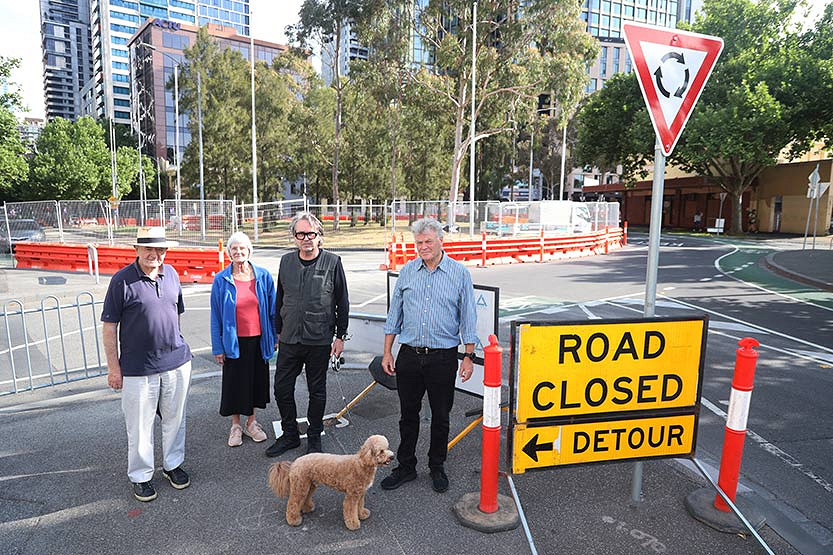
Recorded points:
(311, 316)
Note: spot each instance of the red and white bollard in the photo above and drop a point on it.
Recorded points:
(487, 510)
(742, 384)
(490, 451)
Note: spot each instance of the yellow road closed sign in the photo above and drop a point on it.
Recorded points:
(602, 367)
(604, 390)
(566, 444)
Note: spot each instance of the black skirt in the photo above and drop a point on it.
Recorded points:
(245, 380)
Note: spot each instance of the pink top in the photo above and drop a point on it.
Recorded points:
(246, 309)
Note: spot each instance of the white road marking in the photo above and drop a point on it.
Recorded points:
(764, 289)
(590, 315)
(774, 450)
(755, 326)
(373, 300)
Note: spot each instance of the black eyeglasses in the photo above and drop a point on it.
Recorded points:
(301, 235)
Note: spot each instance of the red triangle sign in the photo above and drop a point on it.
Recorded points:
(672, 67)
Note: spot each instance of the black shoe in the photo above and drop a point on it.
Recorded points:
(144, 491)
(177, 477)
(398, 477)
(282, 445)
(439, 480)
(313, 444)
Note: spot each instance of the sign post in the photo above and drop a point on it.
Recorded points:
(672, 68)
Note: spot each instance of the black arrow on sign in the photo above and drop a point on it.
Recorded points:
(532, 447)
(680, 59)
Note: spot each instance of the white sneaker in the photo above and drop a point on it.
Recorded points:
(254, 431)
(235, 435)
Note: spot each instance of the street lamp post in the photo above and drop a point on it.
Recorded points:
(178, 196)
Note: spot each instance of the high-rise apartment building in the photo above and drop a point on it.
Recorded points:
(65, 45)
(114, 22)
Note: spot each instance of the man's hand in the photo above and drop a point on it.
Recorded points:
(114, 378)
(466, 369)
(387, 364)
(338, 347)
(221, 359)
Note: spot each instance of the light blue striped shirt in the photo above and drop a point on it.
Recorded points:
(433, 309)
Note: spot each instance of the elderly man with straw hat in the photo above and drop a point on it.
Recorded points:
(148, 360)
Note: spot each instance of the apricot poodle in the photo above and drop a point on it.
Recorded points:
(351, 474)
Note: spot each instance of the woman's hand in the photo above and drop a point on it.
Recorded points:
(221, 359)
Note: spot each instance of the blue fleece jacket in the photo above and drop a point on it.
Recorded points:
(224, 318)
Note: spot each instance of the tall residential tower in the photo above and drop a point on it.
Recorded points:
(65, 45)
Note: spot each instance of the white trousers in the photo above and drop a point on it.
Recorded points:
(139, 399)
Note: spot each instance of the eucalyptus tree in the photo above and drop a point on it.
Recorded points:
(521, 50)
(325, 23)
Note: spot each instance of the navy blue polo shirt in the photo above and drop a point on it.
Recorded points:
(147, 312)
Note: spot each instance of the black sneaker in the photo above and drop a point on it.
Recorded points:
(177, 477)
(398, 477)
(143, 491)
(282, 445)
(313, 444)
(439, 480)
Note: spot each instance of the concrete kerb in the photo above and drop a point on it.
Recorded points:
(770, 263)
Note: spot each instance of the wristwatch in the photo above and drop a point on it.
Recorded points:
(469, 356)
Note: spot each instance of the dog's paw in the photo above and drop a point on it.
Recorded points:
(364, 513)
(352, 524)
(308, 507)
(293, 520)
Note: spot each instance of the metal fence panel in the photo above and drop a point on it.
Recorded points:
(50, 344)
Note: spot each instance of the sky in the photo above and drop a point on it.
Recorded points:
(20, 38)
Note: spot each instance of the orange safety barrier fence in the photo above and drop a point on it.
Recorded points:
(487, 251)
(193, 265)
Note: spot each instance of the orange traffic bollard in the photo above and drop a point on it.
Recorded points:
(735, 431)
(490, 450)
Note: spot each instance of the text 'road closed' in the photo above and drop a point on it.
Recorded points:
(559, 445)
(597, 368)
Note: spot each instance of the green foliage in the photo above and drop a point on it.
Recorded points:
(72, 161)
(11, 98)
(14, 171)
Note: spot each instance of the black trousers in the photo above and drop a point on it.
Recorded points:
(417, 374)
(314, 359)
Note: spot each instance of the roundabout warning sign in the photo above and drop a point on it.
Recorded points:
(604, 390)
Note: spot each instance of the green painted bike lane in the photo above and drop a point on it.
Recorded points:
(747, 264)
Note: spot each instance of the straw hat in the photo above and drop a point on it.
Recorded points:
(153, 237)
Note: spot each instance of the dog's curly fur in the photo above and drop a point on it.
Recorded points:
(351, 474)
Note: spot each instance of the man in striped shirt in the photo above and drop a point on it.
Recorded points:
(432, 310)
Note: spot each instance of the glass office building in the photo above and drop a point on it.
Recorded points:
(113, 23)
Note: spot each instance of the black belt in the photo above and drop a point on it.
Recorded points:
(428, 350)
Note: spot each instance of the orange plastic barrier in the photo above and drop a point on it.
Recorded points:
(507, 250)
(51, 256)
(193, 265)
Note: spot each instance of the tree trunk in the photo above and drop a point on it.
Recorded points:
(737, 211)
(457, 155)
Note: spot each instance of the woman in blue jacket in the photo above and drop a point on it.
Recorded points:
(243, 337)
